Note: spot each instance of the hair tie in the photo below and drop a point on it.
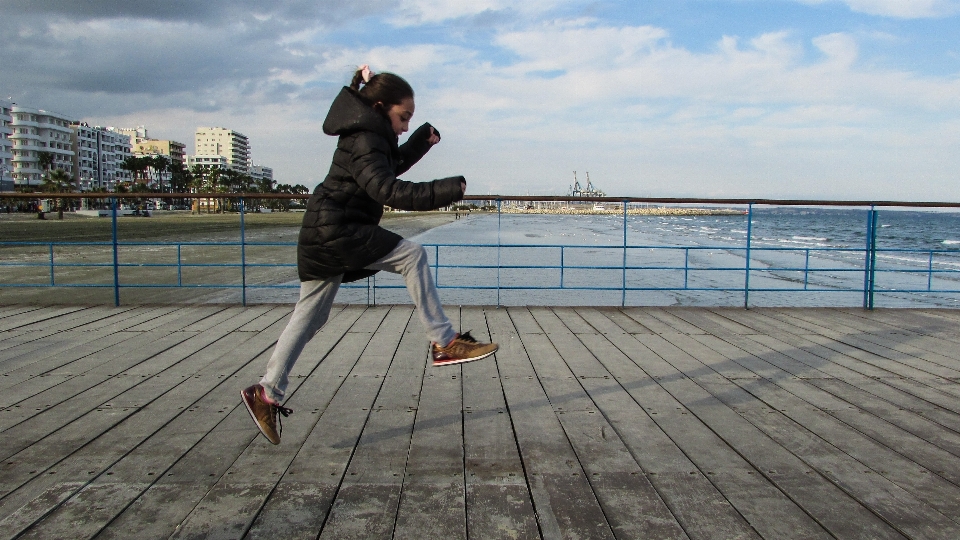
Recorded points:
(365, 73)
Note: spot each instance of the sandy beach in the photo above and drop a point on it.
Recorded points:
(206, 239)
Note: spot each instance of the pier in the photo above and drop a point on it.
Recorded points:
(614, 422)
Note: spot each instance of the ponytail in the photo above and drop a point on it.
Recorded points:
(385, 88)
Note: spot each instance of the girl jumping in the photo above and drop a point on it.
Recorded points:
(341, 239)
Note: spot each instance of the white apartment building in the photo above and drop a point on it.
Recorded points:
(217, 141)
(261, 172)
(34, 131)
(213, 161)
(137, 134)
(99, 153)
(6, 147)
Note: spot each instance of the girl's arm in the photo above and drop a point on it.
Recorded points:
(370, 167)
(417, 145)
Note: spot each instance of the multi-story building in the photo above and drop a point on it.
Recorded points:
(35, 131)
(99, 156)
(172, 150)
(217, 141)
(211, 161)
(6, 147)
(261, 173)
(137, 134)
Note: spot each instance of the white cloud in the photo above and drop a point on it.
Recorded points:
(417, 12)
(903, 9)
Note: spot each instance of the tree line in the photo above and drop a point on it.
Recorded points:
(158, 174)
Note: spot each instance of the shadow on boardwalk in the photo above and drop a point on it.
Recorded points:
(588, 423)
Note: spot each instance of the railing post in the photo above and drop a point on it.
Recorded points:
(686, 267)
(498, 252)
(52, 280)
(623, 296)
(243, 256)
(806, 269)
(930, 271)
(561, 266)
(869, 259)
(873, 257)
(116, 258)
(746, 279)
(179, 265)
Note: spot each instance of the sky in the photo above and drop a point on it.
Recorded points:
(799, 99)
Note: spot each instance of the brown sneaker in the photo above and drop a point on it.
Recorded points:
(463, 348)
(265, 414)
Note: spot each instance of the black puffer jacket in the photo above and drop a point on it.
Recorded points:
(341, 232)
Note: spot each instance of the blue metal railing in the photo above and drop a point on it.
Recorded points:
(564, 271)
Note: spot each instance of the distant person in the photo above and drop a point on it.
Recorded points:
(341, 240)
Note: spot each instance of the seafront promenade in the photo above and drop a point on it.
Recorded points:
(126, 422)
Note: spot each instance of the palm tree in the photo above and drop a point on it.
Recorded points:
(160, 164)
(45, 160)
(57, 181)
(137, 167)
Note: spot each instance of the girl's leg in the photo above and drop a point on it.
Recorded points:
(310, 314)
(410, 260)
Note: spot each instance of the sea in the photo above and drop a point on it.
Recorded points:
(798, 257)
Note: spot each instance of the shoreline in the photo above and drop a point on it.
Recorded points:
(630, 211)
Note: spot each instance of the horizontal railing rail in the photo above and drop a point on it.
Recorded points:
(562, 272)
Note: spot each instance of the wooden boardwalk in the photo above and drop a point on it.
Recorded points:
(589, 423)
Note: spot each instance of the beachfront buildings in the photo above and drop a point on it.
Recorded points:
(34, 131)
(232, 146)
(6, 147)
(99, 153)
(261, 175)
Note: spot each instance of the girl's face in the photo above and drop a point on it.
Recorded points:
(400, 116)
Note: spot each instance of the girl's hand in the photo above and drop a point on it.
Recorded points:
(434, 137)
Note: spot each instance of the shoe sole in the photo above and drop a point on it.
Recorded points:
(463, 360)
(246, 404)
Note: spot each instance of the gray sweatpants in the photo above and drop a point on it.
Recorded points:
(316, 298)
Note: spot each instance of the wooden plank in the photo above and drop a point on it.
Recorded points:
(915, 450)
(837, 453)
(126, 483)
(757, 498)
(70, 321)
(692, 498)
(832, 362)
(270, 317)
(622, 321)
(324, 466)
(135, 454)
(35, 318)
(229, 509)
(900, 351)
(825, 502)
(433, 502)
(644, 317)
(366, 501)
(183, 317)
(673, 318)
(564, 502)
(11, 310)
(129, 369)
(498, 502)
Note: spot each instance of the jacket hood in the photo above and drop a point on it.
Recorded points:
(350, 114)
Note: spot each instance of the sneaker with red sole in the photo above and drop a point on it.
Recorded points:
(266, 415)
(463, 348)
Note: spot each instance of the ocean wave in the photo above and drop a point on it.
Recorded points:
(951, 242)
(810, 238)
